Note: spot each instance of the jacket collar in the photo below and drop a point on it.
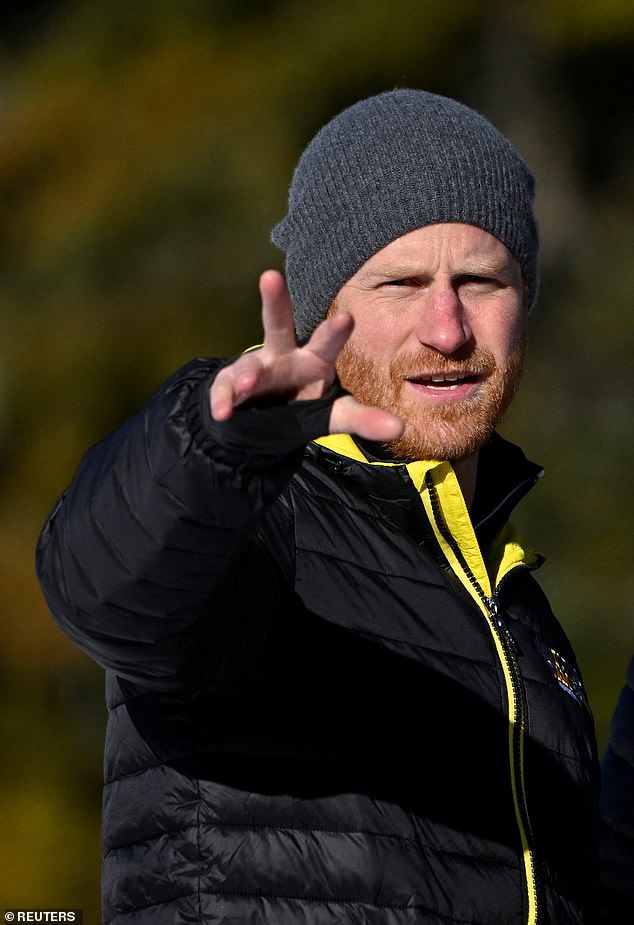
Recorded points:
(505, 475)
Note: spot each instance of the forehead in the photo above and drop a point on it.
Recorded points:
(465, 247)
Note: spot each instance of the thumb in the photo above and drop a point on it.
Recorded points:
(348, 416)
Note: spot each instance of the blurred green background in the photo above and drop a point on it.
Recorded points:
(145, 152)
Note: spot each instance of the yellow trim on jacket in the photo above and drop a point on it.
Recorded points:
(456, 537)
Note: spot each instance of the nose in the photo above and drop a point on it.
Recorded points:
(442, 323)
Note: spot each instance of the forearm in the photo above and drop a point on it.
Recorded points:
(159, 512)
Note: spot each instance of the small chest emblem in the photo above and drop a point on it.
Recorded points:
(566, 674)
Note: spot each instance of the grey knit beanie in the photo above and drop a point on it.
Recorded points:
(385, 166)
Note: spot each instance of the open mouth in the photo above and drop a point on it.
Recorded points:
(444, 382)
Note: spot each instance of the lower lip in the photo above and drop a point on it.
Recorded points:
(458, 391)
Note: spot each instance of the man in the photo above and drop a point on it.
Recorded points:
(617, 810)
(336, 692)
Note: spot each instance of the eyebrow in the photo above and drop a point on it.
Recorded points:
(487, 264)
(393, 271)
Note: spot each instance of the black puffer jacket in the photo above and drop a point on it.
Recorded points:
(320, 710)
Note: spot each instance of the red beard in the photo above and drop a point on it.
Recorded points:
(436, 430)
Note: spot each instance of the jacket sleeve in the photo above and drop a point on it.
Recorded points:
(617, 811)
(158, 513)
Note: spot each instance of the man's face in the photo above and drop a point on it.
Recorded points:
(439, 337)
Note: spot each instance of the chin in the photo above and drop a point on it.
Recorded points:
(454, 432)
(440, 446)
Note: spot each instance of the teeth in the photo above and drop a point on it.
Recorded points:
(445, 378)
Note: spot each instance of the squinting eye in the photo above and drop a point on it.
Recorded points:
(480, 280)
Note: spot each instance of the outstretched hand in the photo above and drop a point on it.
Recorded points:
(285, 370)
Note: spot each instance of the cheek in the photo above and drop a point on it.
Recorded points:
(375, 333)
(518, 337)
(505, 336)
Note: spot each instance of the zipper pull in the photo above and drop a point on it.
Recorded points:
(493, 604)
